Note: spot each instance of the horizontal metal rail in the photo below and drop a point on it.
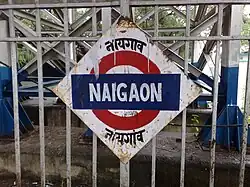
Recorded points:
(92, 39)
(209, 126)
(144, 3)
(60, 5)
(186, 2)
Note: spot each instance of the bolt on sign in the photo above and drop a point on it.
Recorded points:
(125, 90)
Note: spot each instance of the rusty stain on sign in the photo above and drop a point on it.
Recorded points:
(138, 90)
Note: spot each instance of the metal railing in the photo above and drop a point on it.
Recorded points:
(125, 5)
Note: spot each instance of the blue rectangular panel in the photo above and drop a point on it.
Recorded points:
(126, 91)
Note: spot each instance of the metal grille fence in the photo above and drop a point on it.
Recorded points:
(67, 38)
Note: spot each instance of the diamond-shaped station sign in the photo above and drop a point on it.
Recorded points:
(125, 90)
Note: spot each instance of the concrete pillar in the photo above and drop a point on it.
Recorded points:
(4, 46)
(232, 24)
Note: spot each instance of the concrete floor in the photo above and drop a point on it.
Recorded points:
(167, 170)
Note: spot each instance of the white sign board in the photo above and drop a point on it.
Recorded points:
(125, 90)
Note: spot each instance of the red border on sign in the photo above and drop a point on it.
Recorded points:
(143, 64)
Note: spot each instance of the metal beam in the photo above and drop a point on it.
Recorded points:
(53, 17)
(207, 48)
(184, 2)
(180, 14)
(59, 46)
(32, 17)
(197, 30)
(30, 33)
(50, 32)
(201, 12)
(30, 47)
(57, 5)
(125, 8)
(91, 39)
(106, 19)
(85, 45)
(24, 29)
(206, 16)
(82, 19)
(59, 14)
(170, 29)
(152, 12)
(26, 4)
(145, 17)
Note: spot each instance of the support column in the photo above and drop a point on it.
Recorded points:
(228, 111)
(232, 24)
(4, 46)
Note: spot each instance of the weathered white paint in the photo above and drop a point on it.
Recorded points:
(188, 92)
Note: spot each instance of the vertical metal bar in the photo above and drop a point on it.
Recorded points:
(215, 98)
(40, 95)
(94, 149)
(94, 159)
(13, 58)
(156, 30)
(124, 174)
(72, 44)
(124, 168)
(184, 113)
(94, 20)
(153, 161)
(156, 24)
(106, 19)
(124, 8)
(68, 111)
(245, 123)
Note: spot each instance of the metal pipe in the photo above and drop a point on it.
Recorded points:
(60, 5)
(124, 8)
(68, 111)
(80, 4)
(215, 98)
(91, 39)
(124, 179)
(245, 123)
(94, 148)
(185, 2)
(13, 58)
(94, 160)
(40, 95)
(209, 126)
(32, 17)
(184, 112)
(124, 167)
(156, 31)
(153, 161)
